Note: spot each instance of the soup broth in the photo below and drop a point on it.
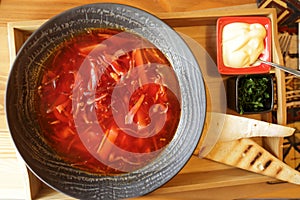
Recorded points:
(108, 101)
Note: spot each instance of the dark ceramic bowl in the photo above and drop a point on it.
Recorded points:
(26, 75)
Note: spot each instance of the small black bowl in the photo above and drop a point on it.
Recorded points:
(250, 94)
(22, 117)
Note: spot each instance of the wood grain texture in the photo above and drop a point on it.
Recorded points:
(22, 10)
(27, 10)
(199, 173)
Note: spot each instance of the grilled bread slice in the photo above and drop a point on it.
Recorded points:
(247, 154)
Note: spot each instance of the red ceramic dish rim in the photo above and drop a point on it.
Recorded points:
(265, 55)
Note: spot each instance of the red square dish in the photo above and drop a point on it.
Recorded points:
(265, 55)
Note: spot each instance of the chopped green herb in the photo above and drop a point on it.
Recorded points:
(253, 94)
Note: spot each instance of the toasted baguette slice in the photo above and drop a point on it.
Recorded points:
(248, 155)
(236, 127)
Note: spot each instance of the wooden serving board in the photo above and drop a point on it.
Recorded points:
(198, 174)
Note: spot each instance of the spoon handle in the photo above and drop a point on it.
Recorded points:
(286, 69)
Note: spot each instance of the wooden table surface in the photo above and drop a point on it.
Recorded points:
(11, 176)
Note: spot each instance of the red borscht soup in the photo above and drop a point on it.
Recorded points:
(108, 101)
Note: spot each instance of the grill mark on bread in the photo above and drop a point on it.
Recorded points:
(237, 145)
(258, 155)
(243, 155)
(267, 164)
(278, 170)
(248, 148)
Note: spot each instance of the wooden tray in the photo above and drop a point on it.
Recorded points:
(199, 173)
